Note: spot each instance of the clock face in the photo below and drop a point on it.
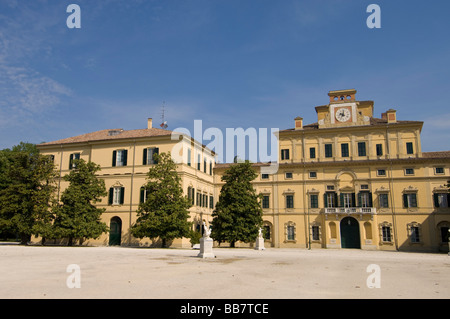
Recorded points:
(343, 115)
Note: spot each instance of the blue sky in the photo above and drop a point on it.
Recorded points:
(247, 63)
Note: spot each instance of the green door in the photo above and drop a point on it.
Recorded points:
(350, 233)
(115, 231)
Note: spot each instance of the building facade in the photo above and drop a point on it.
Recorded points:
(125, 158)
(350, 180)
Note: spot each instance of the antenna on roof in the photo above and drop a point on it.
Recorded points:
(163, 122)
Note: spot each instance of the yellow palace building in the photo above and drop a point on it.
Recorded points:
(350, 180)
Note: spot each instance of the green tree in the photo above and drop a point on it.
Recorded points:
(238, 213)
(164, 213)
(77, 217)
(27, 189)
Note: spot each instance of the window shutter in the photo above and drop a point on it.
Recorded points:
(325, 200)
(122, 195)
(413, 200)
(70, 161)
(155, 151)
(405, 200)
(142, 199)
(114, 158)
(111, 196)
(352, 204)
(144, 157)
(359, 200)
(341, 200)
(436, 200)
(370, 200)
(124, 157)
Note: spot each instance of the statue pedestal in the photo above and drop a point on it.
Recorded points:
(259, 244)
(206, 248)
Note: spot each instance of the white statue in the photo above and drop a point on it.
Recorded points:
(206, 231)
(260, 233)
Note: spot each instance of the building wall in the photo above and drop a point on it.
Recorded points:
(132, 176)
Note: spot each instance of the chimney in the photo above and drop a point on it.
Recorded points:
(149, 123)
(391, 116)
(298, 123)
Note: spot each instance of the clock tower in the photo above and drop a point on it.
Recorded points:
(344, 110)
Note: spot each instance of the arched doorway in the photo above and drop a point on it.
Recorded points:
(115, 231)
(350, 237)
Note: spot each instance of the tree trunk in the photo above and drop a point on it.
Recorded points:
(70, 243)
(232, 244)
(163, 243)
(24, 239)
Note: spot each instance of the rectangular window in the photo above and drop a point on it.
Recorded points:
(116, 195)
(211, 202)
(409, 171)
(198, 161)
(264, 176)
(289, 201)
(439, 170)
(189, 157)
(383, 200)
(314, 200)
(312, 152)
(409, 148)
(312, 174)
(315, 233)
(119, 158)
(288, 175)
(410, 200)
(347, 200)
(265, 201)
(386, 233)
(441, 199)
(365, 199)
(328, 150)
(415, 238)
(284, 154)
(344, 150)
(330, 199)
(290, 232)
(149, 156)
(379, 149)
(381, 172)
(210, 168)
(361, 148)
(74, 156)
(204, 165)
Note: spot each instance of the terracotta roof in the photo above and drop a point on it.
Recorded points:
(442, 154)
(110, 134)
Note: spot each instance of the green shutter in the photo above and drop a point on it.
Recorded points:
(142, 196)
(144, 157)
(370, 200)
(325, 200)
(111, 195)
(341, 200)
(114, 158)
(405, 200)
(359, 200)
(124, 157)
(436, 200)
(71, 161)
(122, 195)
(353, 203)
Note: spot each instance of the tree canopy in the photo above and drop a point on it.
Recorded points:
(164, 213)
(238, 213)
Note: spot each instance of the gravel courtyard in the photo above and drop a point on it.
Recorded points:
(119, 272)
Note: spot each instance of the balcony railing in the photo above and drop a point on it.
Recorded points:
(351, 211)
